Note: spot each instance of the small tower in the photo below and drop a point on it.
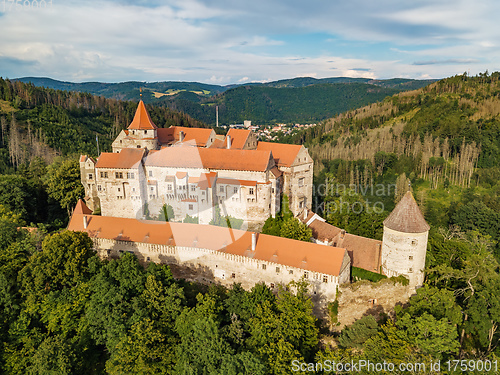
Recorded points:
(404, 244)
(141, 133)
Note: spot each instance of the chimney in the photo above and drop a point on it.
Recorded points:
(228, 146)
(305, 213)
(342, 233)
(181, 136)
(254, 241)
(85, 222)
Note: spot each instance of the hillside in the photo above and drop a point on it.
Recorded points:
(312, 100)
(45, 122)
(442, 140)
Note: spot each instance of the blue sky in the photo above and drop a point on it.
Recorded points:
(232, 41)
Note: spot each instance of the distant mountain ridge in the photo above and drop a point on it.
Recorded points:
(301, 99)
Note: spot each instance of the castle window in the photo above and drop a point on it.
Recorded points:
(145, 132)
(272, 190)
(414, 242)
(301, 181)
(190, 207)
(169, 187)
(263, 266)
(410, 257)
(410, 270)
(325, 279)
(118, 175)
(118, 189)
(306, 275)
(221, 189)
(150, 173)
(130, 175)
(290, 272)
(152, 188)
(233, 275)
(99, 188)
(301, 204)
(138, 146)
(272, 285)
(277, 270)
(120, 141)
(148, 259)
(235, 190)
(193, 188)
(91, 176)
(250, 191)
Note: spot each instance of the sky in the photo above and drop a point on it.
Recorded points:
(236, 41)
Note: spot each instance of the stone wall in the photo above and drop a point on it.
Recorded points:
(366, 298)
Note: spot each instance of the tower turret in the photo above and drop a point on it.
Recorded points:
(141, 133)
(404, 244)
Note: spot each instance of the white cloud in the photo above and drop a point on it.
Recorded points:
(222, 41)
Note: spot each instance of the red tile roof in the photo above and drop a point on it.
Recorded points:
(198, 136)
(283, 154)
(81, 208)
(194, 157)
(141, 119)
(125, 159)
(238, 138)
(206, 180)
(287, 252)
(407, 217)
(230, 181)
(180, 175)
(217, 143)
(364, 252)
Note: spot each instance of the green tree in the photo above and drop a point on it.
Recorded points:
(293, 228)
(358, 333)
(166, 213)
(63, 183)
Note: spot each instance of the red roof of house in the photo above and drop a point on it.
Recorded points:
(230, 181)
(206, 180)
(284, 154)
(364, 252)
(197, 136)
(287, 252)
(195, 157)
(125, 159)
(141, 120)
(81, 208)
(238, 138)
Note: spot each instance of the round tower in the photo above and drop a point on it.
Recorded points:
(404, 244)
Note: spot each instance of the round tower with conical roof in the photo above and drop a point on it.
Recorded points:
(404, 244)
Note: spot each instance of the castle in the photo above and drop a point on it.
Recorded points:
(200, 174)
(197, 173)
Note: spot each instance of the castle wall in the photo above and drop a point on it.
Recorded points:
(211, 266)
(404, 254)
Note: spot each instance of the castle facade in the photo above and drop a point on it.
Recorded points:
(197, 173)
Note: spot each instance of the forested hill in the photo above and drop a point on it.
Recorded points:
(436, 121)
(302, 99)
(269, 105)
(33, 118)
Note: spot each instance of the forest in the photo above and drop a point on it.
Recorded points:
(65, 311)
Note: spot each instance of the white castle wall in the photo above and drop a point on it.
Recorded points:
(211, 266)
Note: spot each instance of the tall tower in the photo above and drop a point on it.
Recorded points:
(141, 133)
(404, 244)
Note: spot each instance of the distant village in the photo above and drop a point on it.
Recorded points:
(270, 132)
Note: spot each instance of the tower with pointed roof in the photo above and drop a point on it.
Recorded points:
(404, 244)
(141, 133)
